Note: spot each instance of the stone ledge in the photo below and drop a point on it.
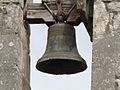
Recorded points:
(21, 2)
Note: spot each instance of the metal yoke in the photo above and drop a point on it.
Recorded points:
(37, 13)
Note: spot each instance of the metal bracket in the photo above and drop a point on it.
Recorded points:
(37, 13)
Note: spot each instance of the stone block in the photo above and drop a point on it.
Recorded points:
(113, 7)
(14, 48)
(106, 46)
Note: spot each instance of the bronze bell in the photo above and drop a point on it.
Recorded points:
(61, 55)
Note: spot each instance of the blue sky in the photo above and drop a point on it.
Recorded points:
(43, 81)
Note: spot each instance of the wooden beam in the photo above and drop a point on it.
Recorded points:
(37, 13)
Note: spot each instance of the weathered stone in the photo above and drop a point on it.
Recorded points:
(114, 6)
(116, 23)
(100, 19)
(106, 46)
(21, 2)
(14, 49)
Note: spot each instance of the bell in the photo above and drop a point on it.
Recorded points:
(61, 55)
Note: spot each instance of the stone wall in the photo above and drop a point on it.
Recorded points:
(14, 49)
(106, 45)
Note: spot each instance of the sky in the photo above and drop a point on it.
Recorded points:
(43, 81)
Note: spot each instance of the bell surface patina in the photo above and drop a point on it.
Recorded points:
(61, 55)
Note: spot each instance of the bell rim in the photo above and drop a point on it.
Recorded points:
(80, 66)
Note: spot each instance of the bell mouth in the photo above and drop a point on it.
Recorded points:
(61, 66)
